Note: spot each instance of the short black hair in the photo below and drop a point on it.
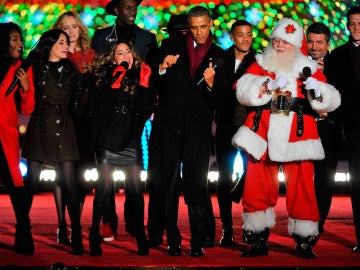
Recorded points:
(5, 31)
(318, 28)
(351, 11)
(199, 11)
(239, 23)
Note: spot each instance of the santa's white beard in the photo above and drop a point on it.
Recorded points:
(279, 62)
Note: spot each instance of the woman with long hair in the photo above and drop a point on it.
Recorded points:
(122, 104)
(81, 55)
(50, 138)
(13, 68)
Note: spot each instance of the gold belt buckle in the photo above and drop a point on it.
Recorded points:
(281, 102)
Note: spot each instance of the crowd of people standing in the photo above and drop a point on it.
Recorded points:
(287, 107)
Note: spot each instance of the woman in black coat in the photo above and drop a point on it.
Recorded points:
(50, 138)
(122, 103)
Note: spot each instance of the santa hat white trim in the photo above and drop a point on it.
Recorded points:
(289, 30)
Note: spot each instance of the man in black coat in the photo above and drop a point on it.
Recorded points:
(345, 75)
(328, 125)
(180, 139)
(125, 28)
(229, 116)
(146, 45)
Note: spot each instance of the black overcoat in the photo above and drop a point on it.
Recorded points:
(182, 123)
(50, 135)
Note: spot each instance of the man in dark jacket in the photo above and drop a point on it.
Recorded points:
(229, 116)
(345, 75)
(146, 45)
(318, 41)
(181, 136)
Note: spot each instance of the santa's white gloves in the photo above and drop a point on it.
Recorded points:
(279, 83)
(312, 84)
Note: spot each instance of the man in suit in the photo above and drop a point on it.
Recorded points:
(318, 41)
(229, 116)
(345, 75)
(146, 45)
(181, 133)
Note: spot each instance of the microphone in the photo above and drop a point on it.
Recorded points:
(307, 73)
(25, 66)
(217, 63)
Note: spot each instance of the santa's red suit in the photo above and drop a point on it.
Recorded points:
(9, 134)
(291, 140)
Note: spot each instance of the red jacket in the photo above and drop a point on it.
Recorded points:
(9, 134)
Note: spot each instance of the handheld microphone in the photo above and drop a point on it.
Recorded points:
(25, 66)
(307, 73)
(217, 63)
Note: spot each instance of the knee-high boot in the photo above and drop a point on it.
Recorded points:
(24, 243)
(303, 246)
(258, 242)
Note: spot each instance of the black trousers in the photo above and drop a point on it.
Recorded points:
(225, 157)
(354, 170)
(325, 169)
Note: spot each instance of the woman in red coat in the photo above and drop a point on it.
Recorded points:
(11, 44)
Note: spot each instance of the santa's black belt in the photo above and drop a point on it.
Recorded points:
(300, 106)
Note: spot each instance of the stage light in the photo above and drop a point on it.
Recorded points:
(143, 176)
(118, 175)
(47, 175)
(91, 175)
(23, 167)
(213, 176)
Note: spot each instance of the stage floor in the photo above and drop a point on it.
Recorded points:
(333, 248)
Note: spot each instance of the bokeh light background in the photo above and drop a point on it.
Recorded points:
(36, 16)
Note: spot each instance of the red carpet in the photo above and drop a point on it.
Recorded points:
(333, 248)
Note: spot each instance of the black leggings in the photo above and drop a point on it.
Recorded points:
(65, 179)
(133, 193)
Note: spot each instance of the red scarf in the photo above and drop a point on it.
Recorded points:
(196, 56)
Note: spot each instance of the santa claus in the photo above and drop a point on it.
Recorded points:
(283, 90)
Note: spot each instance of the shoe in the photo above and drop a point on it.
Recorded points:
(173, 251)
(107, 233)
(257, 249)
(95, 242)
(196, 252)
(143, 244)
(62, 236)
(76, 241)
(24, 243)
(227, 239)
(356, 249)
(305, 251)
(154, 242)
(209, 242)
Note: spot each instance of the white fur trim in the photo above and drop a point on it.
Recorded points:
(281, 150)
(249, 141)
(303, 228)
(295, 38)
(248, 90)
(330, 98)
(259, 221)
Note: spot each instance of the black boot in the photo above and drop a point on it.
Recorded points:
(227, 239)
(142, 244)
(303, 246)
(62, 235)
(76, 241)
(24, 243)
(258, 243)
(95, 242)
